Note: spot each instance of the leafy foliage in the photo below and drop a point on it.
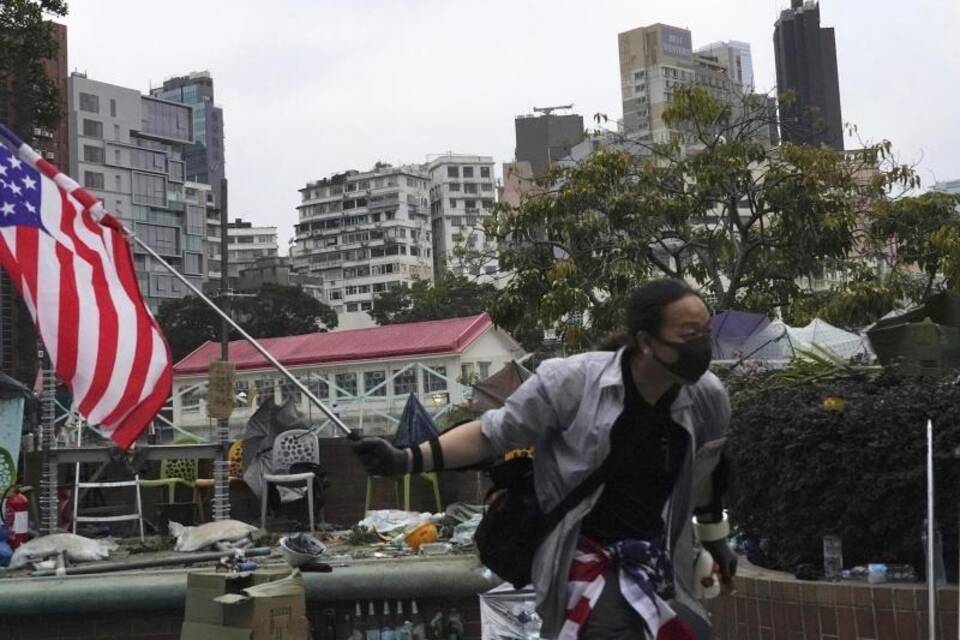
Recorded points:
(453, 296)
(842, 455)
(717, 204)
(276, 310)
(31, 97)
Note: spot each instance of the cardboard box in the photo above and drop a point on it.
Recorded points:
(264, 605)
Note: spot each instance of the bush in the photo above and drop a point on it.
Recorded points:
(804, 468)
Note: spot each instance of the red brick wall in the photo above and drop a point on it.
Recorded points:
(773, 609)
(165, 625)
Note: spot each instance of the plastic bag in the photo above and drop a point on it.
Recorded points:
(391, 522)
(75, 548)
(507, 614)
(209, 534)
(463, 532)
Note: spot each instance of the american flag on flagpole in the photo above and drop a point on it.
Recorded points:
(73, 267)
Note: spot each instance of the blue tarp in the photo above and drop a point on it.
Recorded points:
(416, 425)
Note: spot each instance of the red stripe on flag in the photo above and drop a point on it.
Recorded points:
(46, 168)
(68, 327)
(28, 247)
(107, 351)
(133, 425)
(10, 265)
(581, 612)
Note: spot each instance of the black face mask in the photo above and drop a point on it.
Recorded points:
(694, 360)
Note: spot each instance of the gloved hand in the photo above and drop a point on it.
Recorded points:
(380, 458)
(725, 557)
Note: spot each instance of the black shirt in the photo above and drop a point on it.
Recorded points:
(632, 502)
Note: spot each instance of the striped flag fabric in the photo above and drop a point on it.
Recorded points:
(72, 264)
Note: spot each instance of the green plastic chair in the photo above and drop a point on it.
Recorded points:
(429, 476)
(182, 471)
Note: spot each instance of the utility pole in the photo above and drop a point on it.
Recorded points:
(221, 465)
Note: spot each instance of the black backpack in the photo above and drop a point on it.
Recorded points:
(513, 525)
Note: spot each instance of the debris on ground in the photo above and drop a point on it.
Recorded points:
(75, 548)
(212, 533)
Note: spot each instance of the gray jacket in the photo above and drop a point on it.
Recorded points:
(567, 410)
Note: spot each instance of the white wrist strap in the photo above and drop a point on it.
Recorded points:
(710, 531)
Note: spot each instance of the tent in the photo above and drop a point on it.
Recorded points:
(492, 392)
(779, 342)
(737, 326)
(415, 426)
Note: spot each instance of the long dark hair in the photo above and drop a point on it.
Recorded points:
(644, 310)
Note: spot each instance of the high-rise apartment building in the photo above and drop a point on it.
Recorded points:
(736, 58)
(204, 158)
(462, 194)
(654, 61)
(546, 138)
(128, 150)
(363, 234)
(806, 56)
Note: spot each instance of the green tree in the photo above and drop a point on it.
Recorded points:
(275, 310)
(717, 204)
(924, 232)
(30, 97)
(453, 296)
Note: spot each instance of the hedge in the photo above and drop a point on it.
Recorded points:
(846, 457)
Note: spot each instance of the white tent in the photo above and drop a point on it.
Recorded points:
(780, 342)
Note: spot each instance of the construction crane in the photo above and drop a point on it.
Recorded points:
(548, 110)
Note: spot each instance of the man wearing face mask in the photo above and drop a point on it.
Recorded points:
(653, 418)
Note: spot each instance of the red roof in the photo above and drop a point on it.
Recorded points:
(433, 337)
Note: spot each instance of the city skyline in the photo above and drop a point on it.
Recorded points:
(305, 103)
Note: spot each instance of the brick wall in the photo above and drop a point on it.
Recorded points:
(786, 609)
(165, 625)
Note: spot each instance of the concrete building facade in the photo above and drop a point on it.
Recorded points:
(128, 150)
(545, 139)
(654, 61)
(364, 233)
(806, 57)
(735, 56)
(462, 195)
(205, 160)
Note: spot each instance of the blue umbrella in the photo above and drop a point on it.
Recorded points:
(416, 425)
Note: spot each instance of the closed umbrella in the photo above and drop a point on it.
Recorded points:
(262, 429)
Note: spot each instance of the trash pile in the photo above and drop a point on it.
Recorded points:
(392, 532)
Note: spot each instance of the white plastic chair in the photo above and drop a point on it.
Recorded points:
(290, 447)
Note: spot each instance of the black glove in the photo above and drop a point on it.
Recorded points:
(725, 557)
(380, 458)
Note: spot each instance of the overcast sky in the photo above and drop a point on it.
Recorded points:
(313, 87)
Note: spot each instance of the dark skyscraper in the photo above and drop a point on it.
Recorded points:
(204, 159)
(806, 57)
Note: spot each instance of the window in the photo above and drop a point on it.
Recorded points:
(93, 154)
(346, 385)
(352, 306)
(163, 240)
(455, 186)
(373, 379)
(149, 189)
(453, 203)
(483, 369)
(264, 390)
(190, 400)
(470, 187)
(404, 383)
(318, 386)
(113, 108)
(118, 185)
(435, 381)
(193, 263)
(468, 172)
(196, 220)
(89, 102)
(470, 204)
(93, 179)
(92, 128)
(366, 306)
(484, 172)
(466, 373)
(453, 172)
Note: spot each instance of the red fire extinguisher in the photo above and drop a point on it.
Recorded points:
(16, 517)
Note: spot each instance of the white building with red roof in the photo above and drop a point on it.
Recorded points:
(365, 375)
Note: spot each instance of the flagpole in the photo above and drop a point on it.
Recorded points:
(246, 336)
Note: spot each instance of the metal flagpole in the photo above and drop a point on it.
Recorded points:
(246, 336)
(221, 466)
(931, 541)
(49, 477)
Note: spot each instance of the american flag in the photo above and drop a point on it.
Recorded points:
(71, 263)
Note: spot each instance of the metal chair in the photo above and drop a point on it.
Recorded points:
(182, 471)
(290, 447)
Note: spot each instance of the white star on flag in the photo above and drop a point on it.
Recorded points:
(29, 183)
(7, 209)
(13, 187)
(3, 170)
(30, 207)
(15, 163)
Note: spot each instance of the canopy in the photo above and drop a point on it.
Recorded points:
(780, 342)
(737, 326)
(493, 391)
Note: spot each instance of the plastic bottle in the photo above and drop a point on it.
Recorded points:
(437, 627)
(419, 631)
(404, 628)
(357, 632)
(387, 625)
(372, 626)
(454, 626)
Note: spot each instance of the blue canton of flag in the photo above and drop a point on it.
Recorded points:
(19, 192)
